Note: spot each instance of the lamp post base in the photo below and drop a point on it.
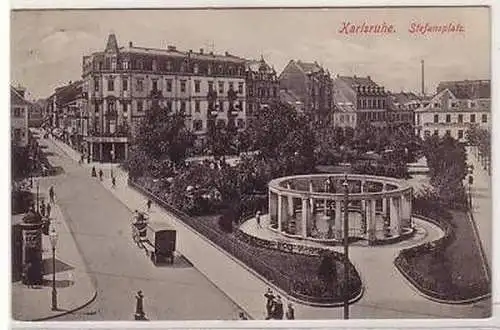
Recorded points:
(54, 300)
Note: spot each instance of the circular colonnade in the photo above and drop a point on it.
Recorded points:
(312, 207)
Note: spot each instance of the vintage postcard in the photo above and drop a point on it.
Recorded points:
(251, 164)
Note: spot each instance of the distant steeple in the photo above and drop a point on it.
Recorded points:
(112, 44)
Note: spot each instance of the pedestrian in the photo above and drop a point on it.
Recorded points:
(48, 209)
(82, 158)
(94, 174)
(257, 218)
(242, 316)
(269, 302)
(148, 204)
(290, 312)
(42, 208)
(51, 194)
(278, 308)
(113, 182)
(101, 173)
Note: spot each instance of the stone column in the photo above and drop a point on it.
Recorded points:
(338, 219)
(410, 207)
(325, 207)
(394, 214)
(305, 211)
(126, 151)
(91, 151)
(373, 217)
(401, 213)
(280, 211)
(113, 152)
(290, 206)
(311, 200)
(100, 151)
(369, 222)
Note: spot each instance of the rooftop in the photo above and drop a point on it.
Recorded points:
(358, 81)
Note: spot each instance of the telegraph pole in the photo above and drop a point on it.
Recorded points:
(346, 248)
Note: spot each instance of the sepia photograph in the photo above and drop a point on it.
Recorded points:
(178, 164)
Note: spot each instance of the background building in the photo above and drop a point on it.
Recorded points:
(262, 86)
(19, 107)
(120, 82)
(311, 84)
(369, 99)
(454, 108)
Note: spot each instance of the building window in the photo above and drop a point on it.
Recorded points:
(448, 132)
(140, 106)
(473, 118)
(155, 85)
(196, 106)
(221, 123)
(240, 106)
(125, 107)
(140, 85)
(113, 64)
(169, 105)
(198, 125)
(125, 84)
(240, 88)
(183, 106)
(111, 84)
(196, 68)
(169, 66)
(448, 118)
(275, 91)
(436, 118)
(169, 85)
(460, 118)
(125, 65)
(231, 86)
(460, 134)
(221, 106)
(96, 84)
(183, 86)
(17, 112)
(240, 123)
(111, 106)
(197, 86)
(221, 87)
(472, 104)
(484, 118)
(210, 86)
(436, 132)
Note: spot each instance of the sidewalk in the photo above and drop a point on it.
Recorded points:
(73, 284)
(482, 204)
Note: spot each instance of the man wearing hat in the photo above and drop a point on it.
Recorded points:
(269, 303)
(290, 312)
(257, 218)
(139, 306)
(278, 308)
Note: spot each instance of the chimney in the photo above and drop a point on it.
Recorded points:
(171, 48)
(130, 44)
(212, 53)
(226, 53)
(190, 51)
(201, 51)
(369, 78)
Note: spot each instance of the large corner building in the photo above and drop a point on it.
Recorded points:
(119, 82)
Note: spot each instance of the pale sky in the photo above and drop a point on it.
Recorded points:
(47, 46)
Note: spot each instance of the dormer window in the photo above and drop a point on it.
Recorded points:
(472, 104)
(169, 66)
(125, 65)
(113, 64)
(196, 68)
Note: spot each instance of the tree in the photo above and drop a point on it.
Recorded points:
(446, 159)
(222, 138)
(162, 135)
(327, 271)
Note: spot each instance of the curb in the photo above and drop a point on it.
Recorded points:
(94, 296)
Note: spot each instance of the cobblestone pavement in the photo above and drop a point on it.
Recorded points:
(101, 226)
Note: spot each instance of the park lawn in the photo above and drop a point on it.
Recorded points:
(301, 270)
(459, 273)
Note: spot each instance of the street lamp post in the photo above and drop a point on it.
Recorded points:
(346, 248)
(37, 194)
(53, 241)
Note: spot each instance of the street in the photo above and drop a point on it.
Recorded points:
(101, 227)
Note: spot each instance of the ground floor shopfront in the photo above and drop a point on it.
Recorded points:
(106, 149)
